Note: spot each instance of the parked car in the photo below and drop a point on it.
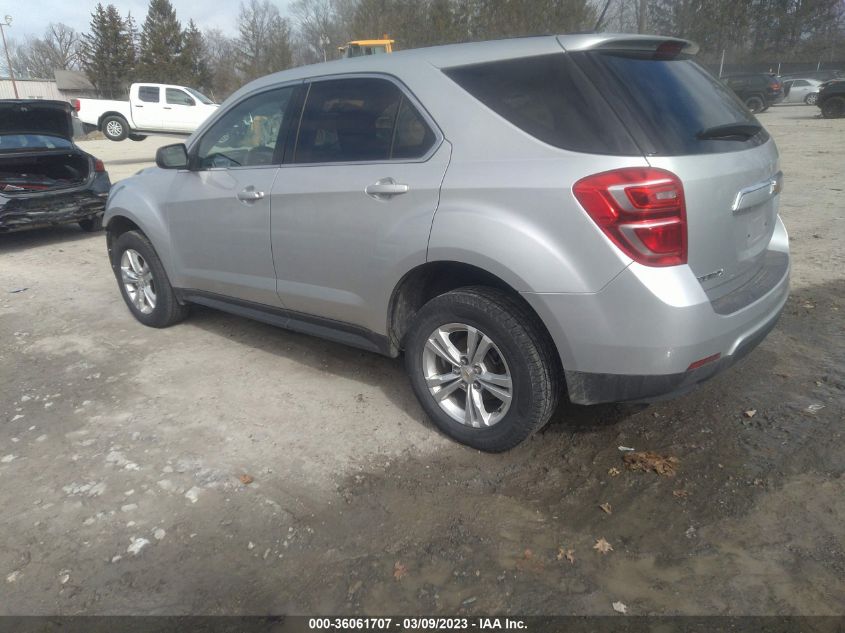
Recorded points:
(45, 179)
(831, 99)
(758, 91)
(151, 109)
(800, 91)
(818, 75)
(483, 209)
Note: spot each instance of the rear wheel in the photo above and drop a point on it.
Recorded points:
(91, 225)
(811, 98)
(115, 128)
(143, 282)
(833, 108)
(755, 103)
(483, 368)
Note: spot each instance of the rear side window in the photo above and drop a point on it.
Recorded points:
(148, 94)
(355, 120)
(666, 103)
(550, 99)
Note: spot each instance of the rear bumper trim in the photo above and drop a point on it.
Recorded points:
(595, 388)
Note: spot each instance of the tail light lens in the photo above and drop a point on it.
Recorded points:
(76, 105)
(641, 210)
(98, 165)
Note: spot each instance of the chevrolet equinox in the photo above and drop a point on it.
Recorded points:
(589, 213)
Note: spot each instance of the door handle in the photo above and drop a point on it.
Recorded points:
(386, 188)
(167, 108)
(250, 195)
(139, 106)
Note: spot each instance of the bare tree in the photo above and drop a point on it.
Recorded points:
(58, 49)
(263, 43)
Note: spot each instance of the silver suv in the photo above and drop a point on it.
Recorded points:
(588, 213)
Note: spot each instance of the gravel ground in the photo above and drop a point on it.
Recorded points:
(223, 466)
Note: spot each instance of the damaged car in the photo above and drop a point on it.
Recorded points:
(45, 179)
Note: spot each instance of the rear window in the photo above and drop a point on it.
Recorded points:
(549, 98)
(666, 103)
(148, 94)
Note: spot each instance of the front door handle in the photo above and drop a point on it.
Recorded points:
(386, 188)
(250, 195)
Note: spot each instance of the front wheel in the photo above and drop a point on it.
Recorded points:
(115, 128)
(143, 282)
(833, 108)
(483, 367)
(811, 98)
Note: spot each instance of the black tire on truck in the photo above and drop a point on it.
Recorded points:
(833, 107)
(755, 103)
(92, 224)
(137, 137)
(115, 128)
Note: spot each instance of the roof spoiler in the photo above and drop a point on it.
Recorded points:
(662, 47)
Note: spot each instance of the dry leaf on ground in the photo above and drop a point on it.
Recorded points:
(649, 461)
(606, 507)
(603, 546)
(680, 494)
(568, 554)
(399, 571)
(246, 479)
(620, 607)
(614, 472)
(750, 413)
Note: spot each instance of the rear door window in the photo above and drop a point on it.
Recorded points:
(148, 94)
(360, 120)
(666, 103)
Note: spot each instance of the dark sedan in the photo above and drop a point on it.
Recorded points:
(45, 179)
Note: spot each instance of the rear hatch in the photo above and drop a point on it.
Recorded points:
(686, 121)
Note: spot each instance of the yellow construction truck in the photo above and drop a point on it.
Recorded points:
(360, 48)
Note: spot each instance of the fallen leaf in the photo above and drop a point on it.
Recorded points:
(614, 472)
(528, 563)
(626, 449)
(620, 607)
(603, 546)
(246, 479)
(568, 554)
(399, 571)
(680, 494)
(750, 413)
(814, 408)
(606, 507)
(648, 461)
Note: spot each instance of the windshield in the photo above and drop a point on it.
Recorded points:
(200, 96)
(32, 141)
(668, 103)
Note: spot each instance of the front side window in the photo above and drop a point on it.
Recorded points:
(178, 97)
(148, 94)
(249, 134)
(354, 120)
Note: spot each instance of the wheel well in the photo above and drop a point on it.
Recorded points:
(105, 115)
(430, 280)
(116, 227)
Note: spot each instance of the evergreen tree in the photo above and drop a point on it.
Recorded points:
(106, 52)
(161, 44)
(193, 59)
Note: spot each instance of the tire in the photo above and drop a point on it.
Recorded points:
(521, 350)
(115, 128)
(755, 103)
(164, 309)
(833, 107)
(137, 137)
(811, 98)
(92, 225)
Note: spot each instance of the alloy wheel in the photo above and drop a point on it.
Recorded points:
(114, 128)
(467, 375)
(137, 279)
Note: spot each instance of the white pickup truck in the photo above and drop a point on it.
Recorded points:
(151, 109)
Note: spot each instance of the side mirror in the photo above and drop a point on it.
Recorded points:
(191, 102)
(172, 156)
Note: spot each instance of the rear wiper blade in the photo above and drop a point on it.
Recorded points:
(730, 132)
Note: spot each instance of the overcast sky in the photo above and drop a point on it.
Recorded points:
(33, 16)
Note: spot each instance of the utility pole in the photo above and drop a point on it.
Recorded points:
(7, 23)
(641, 16)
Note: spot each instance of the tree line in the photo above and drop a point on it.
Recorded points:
(116, 50)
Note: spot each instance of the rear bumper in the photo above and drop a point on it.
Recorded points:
(637, 338)
(48, 209)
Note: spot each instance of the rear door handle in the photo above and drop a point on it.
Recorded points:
(386, 188)
(250, 195)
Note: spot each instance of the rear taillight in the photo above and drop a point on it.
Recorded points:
(76, 105)
(98, 165)
(641, 210)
